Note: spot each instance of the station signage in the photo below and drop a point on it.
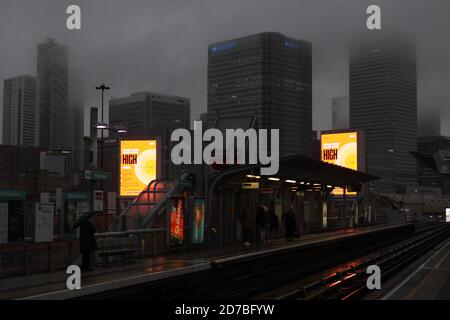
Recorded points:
(340, 148)
(98, 201)
(8, 195)
(44, 216)
(137, 166)
(250, 185)
(176, 217)
(97, 175)
(266, 190)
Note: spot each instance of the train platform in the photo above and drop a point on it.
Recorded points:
(53, 285)
(429, 280)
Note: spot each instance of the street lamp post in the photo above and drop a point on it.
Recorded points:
(102, 87)
(119, 129)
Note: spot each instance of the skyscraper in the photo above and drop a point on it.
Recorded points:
(76, 135)
(147, 115)
(267, 75)
(19, 111)
(340, 113)
(76, 119)
(143, 111)
(52, 96)
(383, 103)
(427, 176)
(429, 123)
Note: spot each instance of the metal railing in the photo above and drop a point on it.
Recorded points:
(27, 259)
(143, 239)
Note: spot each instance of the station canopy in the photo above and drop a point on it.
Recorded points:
(303, 169)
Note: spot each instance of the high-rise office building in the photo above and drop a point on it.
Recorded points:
(204, 118)
(53, 129)
(340, 118)
(266, 75)
(383, 103)
(427, 176)
(143, 111)
(76, 135)
(429, 123)
(76, 119)
(19, 111)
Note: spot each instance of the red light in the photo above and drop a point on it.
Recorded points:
(350, 276)
(335, 283)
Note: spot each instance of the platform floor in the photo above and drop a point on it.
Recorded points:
(53, 285)
(429, 281)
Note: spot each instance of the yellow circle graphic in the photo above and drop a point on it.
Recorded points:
(145, 168)
(347, 156)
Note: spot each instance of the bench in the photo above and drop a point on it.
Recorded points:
(125, 247)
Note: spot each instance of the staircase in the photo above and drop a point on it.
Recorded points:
(151, 202)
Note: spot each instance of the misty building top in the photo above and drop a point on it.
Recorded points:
(20, 76)
(143, 111)
(254, 40)
(375, 42)
(139, 96)
(50, 42)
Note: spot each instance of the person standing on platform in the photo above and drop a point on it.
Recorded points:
(246, 227)
(88, 243)
(266, 233)
(260, 221)
(273, 223)
(290, 224)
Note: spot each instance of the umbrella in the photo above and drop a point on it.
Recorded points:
(82, 219)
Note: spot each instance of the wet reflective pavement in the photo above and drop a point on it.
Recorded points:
(148, 269)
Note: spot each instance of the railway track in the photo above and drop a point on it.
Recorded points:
(350, 282)
(264, 276)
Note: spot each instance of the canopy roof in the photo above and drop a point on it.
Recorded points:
(304, 169)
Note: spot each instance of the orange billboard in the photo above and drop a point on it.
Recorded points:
(137, 166)
(340, 149)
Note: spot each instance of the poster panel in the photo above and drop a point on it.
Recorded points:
(176, 220)
(340, 149)
(44, 222)
(137, 166)
(198, 221)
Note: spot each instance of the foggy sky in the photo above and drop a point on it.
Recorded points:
(161, 45)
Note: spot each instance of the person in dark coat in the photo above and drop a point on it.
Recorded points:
(290, 224)
(267, 220)
(273, 222)
(259, 222)
(247, 222)
(262, 222)
(88, 243)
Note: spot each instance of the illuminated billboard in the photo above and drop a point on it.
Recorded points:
(137, 166)
(340, 148)
(447, 214)
(176, 217)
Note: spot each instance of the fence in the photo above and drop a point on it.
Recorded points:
(26, 259)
